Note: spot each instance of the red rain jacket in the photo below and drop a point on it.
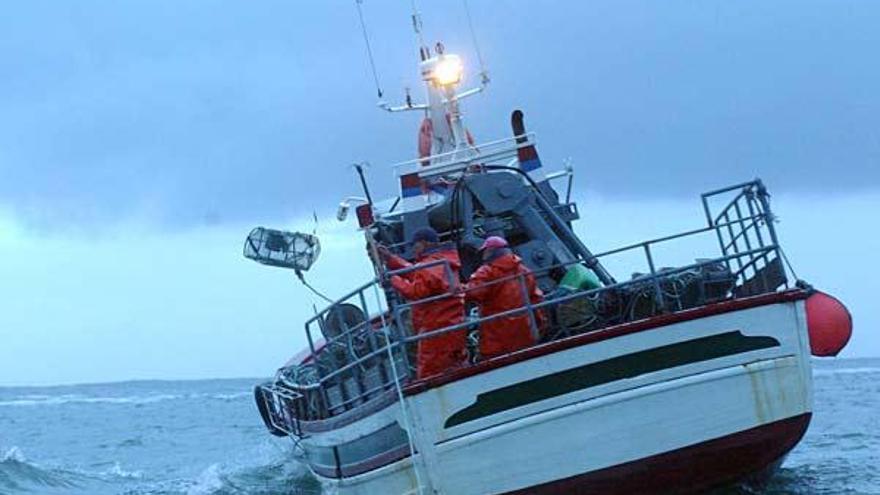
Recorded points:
(437, 354)
(509, 333)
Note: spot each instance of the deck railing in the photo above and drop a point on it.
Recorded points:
(499, 151)
(352, 366)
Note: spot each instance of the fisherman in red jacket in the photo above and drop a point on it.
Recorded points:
(497, 286)
(440, 353)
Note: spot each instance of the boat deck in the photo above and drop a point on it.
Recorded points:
(354, 363)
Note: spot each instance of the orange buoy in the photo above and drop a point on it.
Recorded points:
(829, 324)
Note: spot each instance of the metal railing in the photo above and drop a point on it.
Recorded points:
(281, 402)
(498, 151)
(528, 307)
(350, 363)
(352, 366)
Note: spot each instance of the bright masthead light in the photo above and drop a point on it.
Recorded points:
(448, 70)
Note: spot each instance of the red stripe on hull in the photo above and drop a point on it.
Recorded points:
(695, 469)
(628, 328)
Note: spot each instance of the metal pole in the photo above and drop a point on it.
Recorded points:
(709, 222)
(360, 170)
(568, 235)
(733, 240)
(764, 198)
(658, 293)
(404, 349)
(533, 323)
(404, 409)
(371, 337)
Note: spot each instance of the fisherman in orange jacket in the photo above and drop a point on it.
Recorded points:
(497, 287)
(440, 353)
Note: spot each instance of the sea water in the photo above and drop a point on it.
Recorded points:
(206, 437)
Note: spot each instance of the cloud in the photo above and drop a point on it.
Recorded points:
(211, 113)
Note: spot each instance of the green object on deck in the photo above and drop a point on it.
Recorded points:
(579, 277)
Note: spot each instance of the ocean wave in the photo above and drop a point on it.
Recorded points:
(116, 471)
(17, 473)
(66, 399)
(81, 399)
(208, 482)
(233, 396)
(13, 454)
(845, 371)
(280, 477)
(267, 469)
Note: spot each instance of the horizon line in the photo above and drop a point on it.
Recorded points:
(257, 379)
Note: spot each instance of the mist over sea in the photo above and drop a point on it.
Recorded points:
(206, 438)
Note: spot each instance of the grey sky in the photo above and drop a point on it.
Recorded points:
(208, 111)
(140, 141)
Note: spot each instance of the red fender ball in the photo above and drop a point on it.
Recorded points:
(829, 324)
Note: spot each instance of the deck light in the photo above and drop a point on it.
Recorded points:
(448, 70)
(345, 205)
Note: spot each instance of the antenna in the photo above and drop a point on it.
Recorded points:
(424, 54)
(369, 48)
(441, 73)
(484, 74)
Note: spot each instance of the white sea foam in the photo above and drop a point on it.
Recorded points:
(234, 396)
(13, 454)
(17, 471)
(80, 399)
(116, 471)
(208, 482)
(845, 371)
(50, 400)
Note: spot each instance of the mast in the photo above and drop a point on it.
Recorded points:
(442, 73)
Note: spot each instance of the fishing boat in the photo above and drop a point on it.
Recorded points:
(675, 379)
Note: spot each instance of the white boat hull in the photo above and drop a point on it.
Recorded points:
(565, 421)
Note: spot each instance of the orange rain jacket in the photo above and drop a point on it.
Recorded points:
(508, 333)
(436, 354)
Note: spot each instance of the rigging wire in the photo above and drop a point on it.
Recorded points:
(315, 291)
(369, 48)
(299, 273)
(788, 263)
(484, 74)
